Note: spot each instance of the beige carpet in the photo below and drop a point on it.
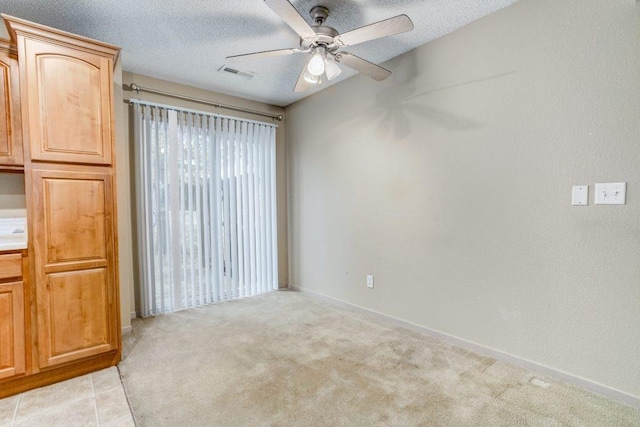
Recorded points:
(286, 358)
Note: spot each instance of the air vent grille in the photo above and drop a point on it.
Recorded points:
(248, 75)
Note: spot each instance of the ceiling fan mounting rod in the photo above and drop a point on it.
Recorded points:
(319, 14)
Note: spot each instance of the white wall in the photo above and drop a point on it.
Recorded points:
(451, 182)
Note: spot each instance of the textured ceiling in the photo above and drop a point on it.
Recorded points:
(186, 41)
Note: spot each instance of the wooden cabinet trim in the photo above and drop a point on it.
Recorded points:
(76, 265)
(9, 47)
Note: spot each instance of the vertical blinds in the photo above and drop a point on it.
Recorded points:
(206, 200)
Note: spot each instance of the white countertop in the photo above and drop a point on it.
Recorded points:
(6, 245)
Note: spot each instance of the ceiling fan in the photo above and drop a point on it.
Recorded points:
(324, 42)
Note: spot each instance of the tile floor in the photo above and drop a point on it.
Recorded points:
(96, 399)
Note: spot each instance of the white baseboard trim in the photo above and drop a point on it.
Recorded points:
(133, 315)
(530, 365)
(126, 329)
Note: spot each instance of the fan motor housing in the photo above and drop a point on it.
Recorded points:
(325, 38)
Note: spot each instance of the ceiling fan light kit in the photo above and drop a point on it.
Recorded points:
(331, 70)
(311, 78)
(324, 42)
(316, 64)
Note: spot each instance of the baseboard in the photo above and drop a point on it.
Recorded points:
(126, 329)
(133, 315)
(530, 365)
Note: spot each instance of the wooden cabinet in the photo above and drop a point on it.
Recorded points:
(11, 156)
(12, 316)
(71, 302)
(10, 265)
(67, 85)
(74, 259)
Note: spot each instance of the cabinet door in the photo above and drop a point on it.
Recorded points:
(74, 246)
(12, 352)
(69, 100)
(10, 120)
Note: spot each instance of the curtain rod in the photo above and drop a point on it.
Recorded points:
(138, 89)
(132, 101)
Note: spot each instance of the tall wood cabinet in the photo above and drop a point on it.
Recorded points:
(66, 96)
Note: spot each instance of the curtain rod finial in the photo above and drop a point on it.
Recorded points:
(133, 86)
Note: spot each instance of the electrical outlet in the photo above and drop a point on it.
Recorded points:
(370, 281)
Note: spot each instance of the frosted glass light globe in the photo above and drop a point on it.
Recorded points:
(332, 69)
(311, 78)
(316, 65)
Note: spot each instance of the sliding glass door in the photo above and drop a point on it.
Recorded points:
(206, 201)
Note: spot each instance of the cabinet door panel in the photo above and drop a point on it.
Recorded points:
(76, 320)
(74, 265)
(10, 120)
(69, 99)
(74, 219)
(5, 109)
(12, 351)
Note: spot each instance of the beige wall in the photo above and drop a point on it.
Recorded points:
(12, 192)
(175, 88)
(451, 182)
(123, 194)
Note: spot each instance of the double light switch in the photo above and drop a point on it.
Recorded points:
(613, 193)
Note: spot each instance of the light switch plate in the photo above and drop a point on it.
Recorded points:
(611, 193)
(580, 195)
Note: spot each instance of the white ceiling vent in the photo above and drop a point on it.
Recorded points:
(240, 73)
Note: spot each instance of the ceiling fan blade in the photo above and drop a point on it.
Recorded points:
(363, 66)
(263, 54)
(388, 27)
(302, 83)
(290, 15)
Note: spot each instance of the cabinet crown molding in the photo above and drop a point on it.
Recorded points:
(17, 26)
(9, 47)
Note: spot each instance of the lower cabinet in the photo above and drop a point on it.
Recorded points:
(59, 312)
(13, 355)
(12, 329)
